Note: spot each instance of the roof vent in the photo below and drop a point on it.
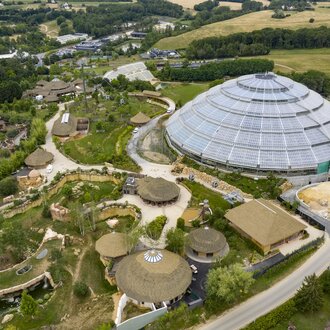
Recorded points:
(153, 256)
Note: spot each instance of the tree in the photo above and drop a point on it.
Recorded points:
(133, 237)
(28, 307)
(325, 280)
(309, 297)
(175, 240)
(80, 289)
(8, 186)
(228, 283)
(180, 223)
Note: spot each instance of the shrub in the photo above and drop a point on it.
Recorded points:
(180, 224)
(46, 211)
(311, 20)
(80, 289)
(8, 186)
(155, 227)
(270, 320)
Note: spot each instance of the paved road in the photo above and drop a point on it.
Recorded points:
(266, 301)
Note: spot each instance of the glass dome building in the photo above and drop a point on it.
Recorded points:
(256, 123)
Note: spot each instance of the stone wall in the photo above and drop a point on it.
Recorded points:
(53, 190)
(28, 284)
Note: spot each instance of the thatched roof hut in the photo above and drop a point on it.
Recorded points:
(157, 190)
(66, 127)
(39, 158)
(206, 240)
(112, 245)
(140, 119)
(153, 276)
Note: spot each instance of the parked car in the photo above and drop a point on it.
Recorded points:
(194, 269)
(49, 168)
(136, 129)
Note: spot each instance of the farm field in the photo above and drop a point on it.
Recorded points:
(246, 23)
(300, 60)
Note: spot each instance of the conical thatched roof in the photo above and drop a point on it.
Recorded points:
(112, 245)
(157, 189)
(38, 158)
(206, 240)
(140, 119)
(153, 276)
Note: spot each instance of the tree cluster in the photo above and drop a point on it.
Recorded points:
(258, 42)
(213, 71)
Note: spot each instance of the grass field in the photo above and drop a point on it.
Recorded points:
(183, 93)
(50, 28)
(300, 60)
(307, 321)
(246, 23)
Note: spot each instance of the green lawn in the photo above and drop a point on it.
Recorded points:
(183, 93)
(92, 273)
(308, 321)
(108, 145)
(199, 193)
(300, 60)
(9, 278)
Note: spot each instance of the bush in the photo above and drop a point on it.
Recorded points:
(180, 224)
(270, 320)
(80, 289)
(155, 227)
(311, 20)
(8, 186)
(46, 211)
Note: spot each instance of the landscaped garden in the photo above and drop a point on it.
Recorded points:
(109, 131)
(258, 187)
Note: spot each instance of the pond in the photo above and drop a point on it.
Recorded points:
(37, 292)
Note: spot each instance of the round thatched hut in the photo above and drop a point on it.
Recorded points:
(207, 243)
(140, 119)
(112, 245)
(39, 158)
(157, 190)
(153, 276)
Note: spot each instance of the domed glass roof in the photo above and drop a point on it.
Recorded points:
(260, 121)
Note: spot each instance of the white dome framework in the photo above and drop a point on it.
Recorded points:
(256, 123)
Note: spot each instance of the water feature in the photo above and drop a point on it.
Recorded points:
(37, 292)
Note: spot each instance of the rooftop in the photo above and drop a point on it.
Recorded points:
(258, 122)
(157, 189)
(153, 276)
(264, 222)
(39, 157)
(206, 240)
(112, 245)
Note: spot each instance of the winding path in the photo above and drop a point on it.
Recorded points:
(242, 314)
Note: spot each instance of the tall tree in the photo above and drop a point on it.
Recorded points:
(309, 297)
(175, 240)
(228, 283)
(28, 307)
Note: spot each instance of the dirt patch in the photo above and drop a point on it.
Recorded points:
(190, 214)
(317, 197)
(89, 314)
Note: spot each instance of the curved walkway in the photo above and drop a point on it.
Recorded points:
(60, 163)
